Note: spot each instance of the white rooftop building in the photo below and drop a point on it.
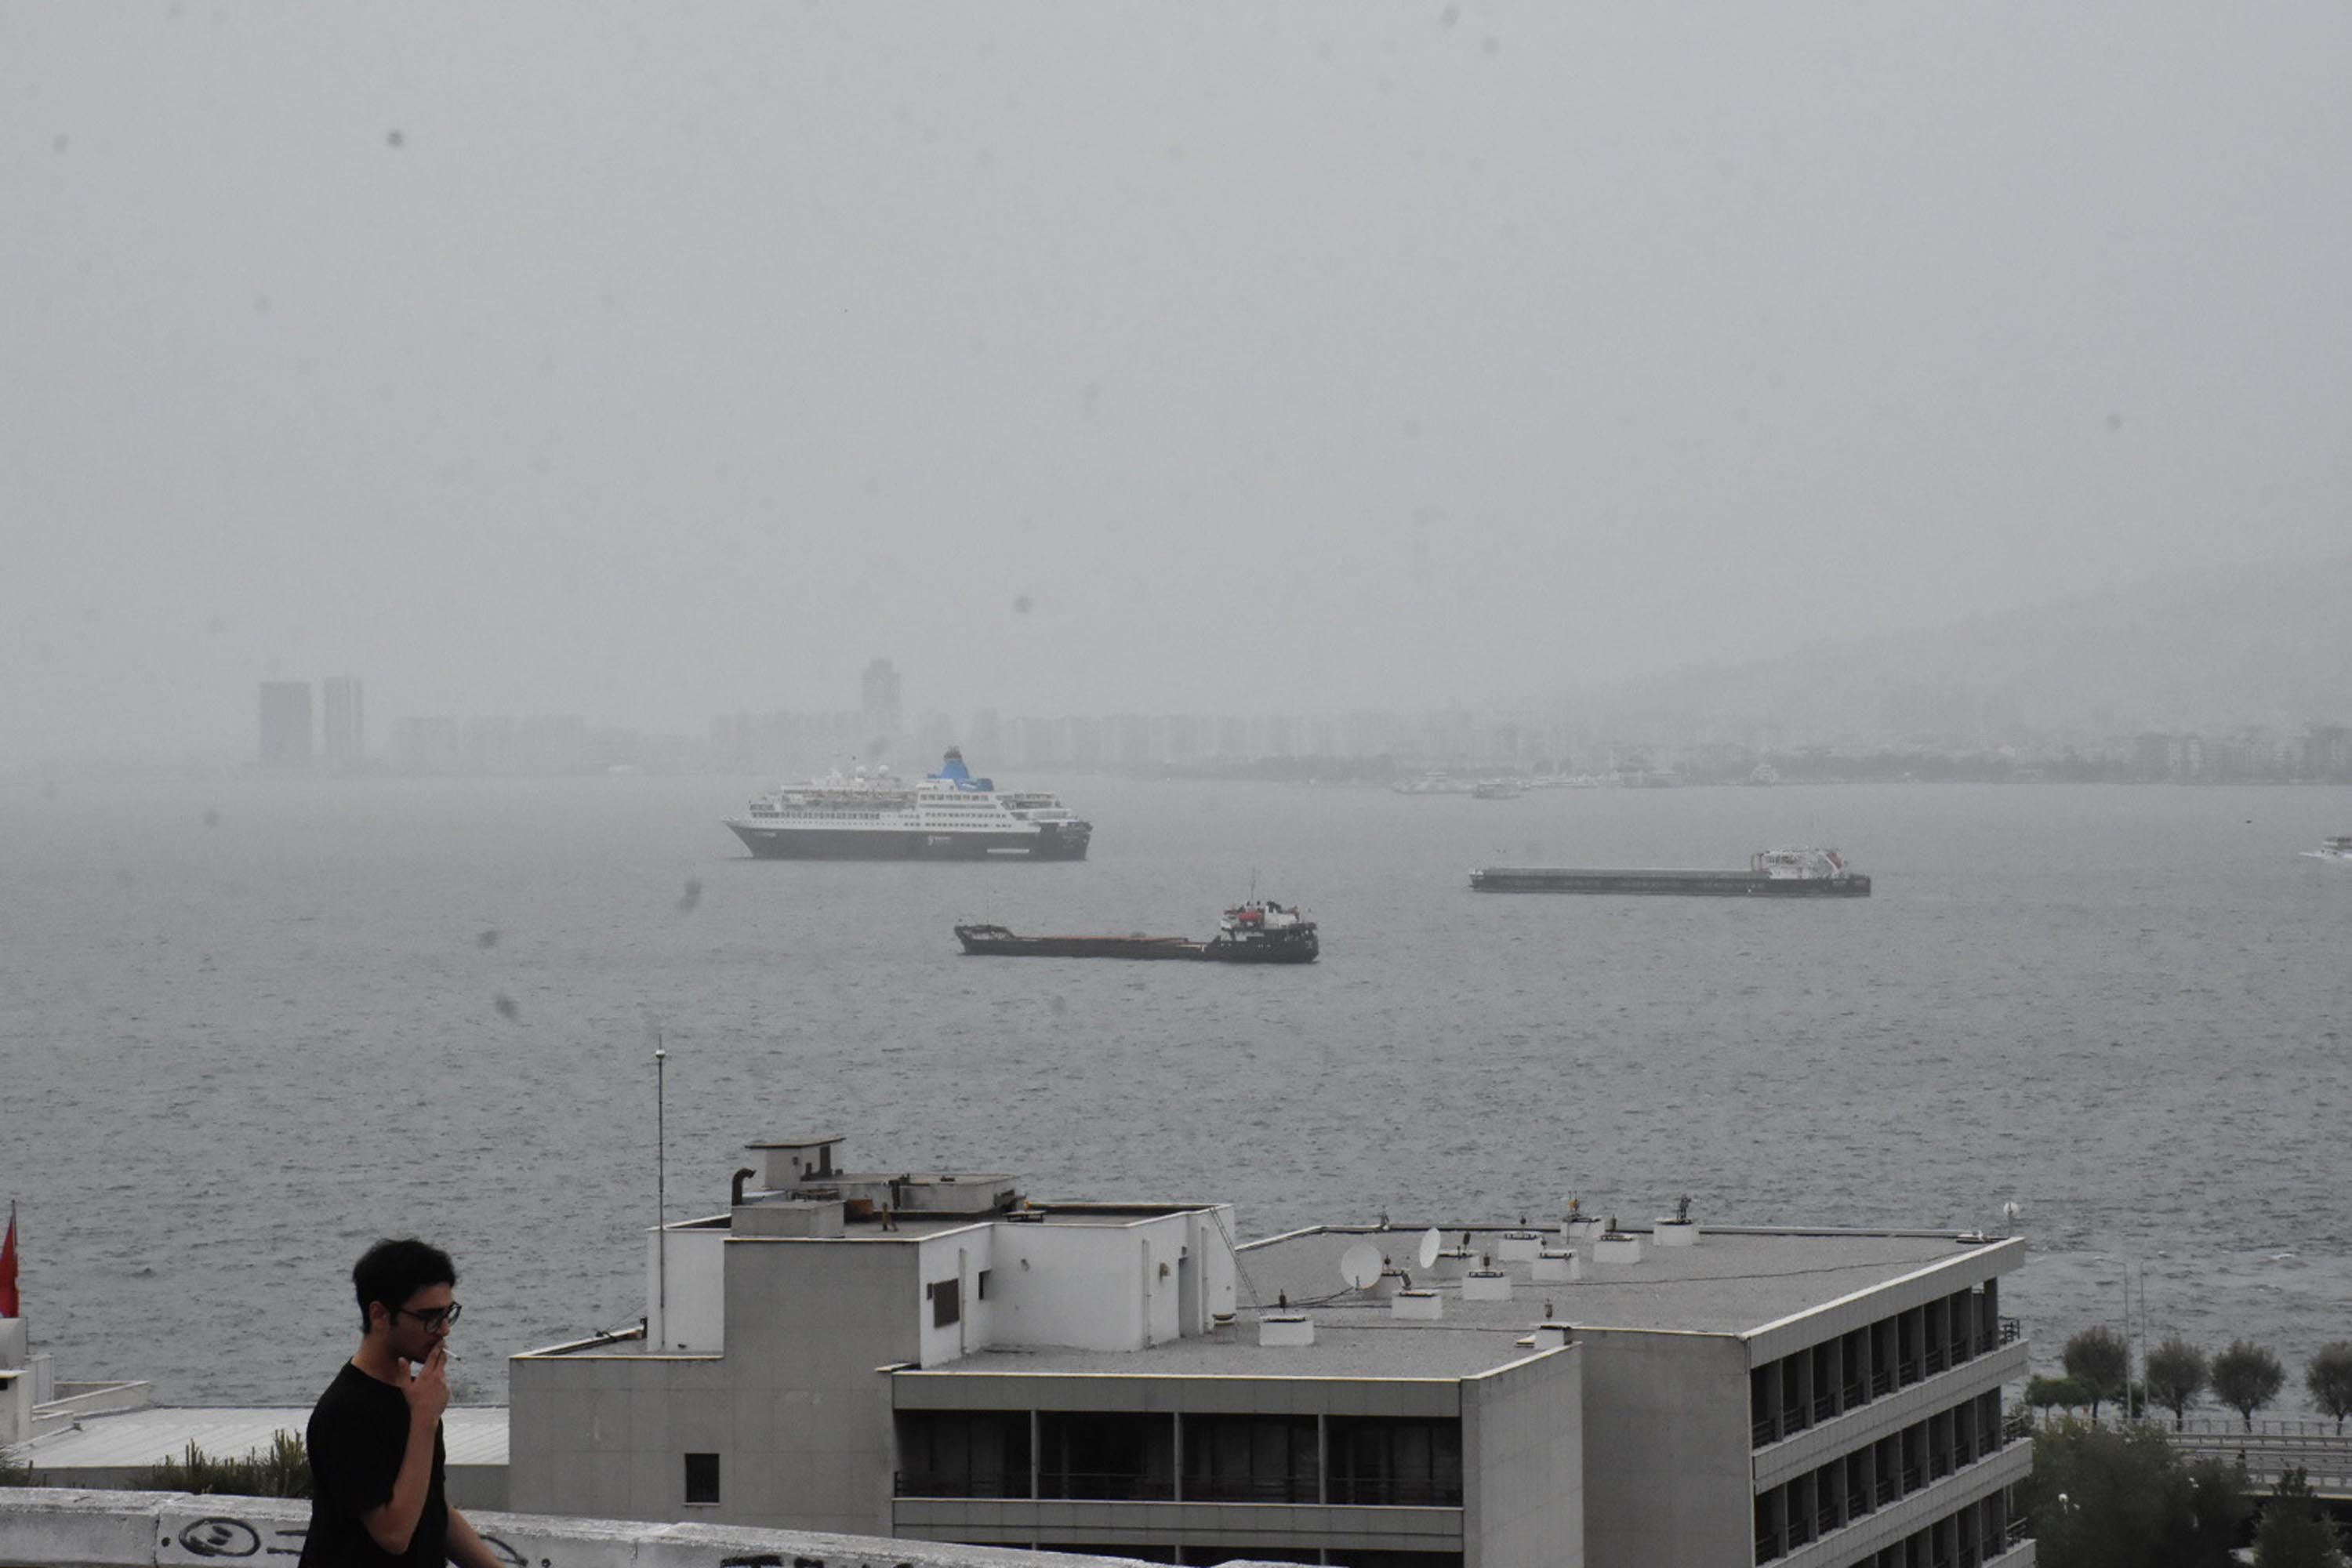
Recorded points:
(936, 1356)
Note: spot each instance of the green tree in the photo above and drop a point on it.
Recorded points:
(2120, 1498)
(2176, 1375)
(2099, 1359)
(2293, 1532)
(2329, 1378)
(2246, 1377)
(2065, 1392)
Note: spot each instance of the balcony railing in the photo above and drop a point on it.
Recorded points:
(2010, 1330)
(1105, 1486)
(950, 1484)
(1766, 1431)
(1395, 1493)
(1881, 1382)
(1824, 1406)
(1250, 1488)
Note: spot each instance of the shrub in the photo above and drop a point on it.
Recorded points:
(283, 1471)
(2041, 1393)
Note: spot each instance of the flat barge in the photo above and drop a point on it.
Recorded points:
(1253, 933)
(996, 942)
(1770, 874)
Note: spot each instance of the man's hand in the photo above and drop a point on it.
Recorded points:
(427, 1389)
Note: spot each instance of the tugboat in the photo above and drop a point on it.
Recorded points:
(1259, 932)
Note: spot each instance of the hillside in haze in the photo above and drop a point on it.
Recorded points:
(2266, 645)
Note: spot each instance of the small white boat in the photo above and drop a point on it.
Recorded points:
(2338, 850)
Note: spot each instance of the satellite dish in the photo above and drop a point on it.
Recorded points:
(1360, 1265)
(1431, 1243)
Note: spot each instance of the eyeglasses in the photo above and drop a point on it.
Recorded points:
(431, 1317)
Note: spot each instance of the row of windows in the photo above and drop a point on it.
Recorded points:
(1852, 1486)
(1788, 1395)
(1975, 1535)
(1130, 1456)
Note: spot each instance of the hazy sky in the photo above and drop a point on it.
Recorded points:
(663, 360)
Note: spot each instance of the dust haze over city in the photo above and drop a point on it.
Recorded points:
(604, 610)
(658, 365)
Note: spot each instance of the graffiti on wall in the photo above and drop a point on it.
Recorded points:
(226, 1537)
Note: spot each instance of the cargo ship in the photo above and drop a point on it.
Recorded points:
(1253, 933)
(948, 815)
(997, 941)
(1770, 874)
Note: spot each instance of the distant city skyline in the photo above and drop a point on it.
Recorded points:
(1164, 358)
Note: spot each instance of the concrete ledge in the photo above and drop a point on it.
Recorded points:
(42, 1528)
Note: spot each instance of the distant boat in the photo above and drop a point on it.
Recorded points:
(1433, 784)
(1495, 789)
(949, 816)
(1253, 933)
(1770, 874)
(2338, 850)
(1764, 773)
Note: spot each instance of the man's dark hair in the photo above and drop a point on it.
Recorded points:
(392, 1272)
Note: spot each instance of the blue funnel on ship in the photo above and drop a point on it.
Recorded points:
(953, 770)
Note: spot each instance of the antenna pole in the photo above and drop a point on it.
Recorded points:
(661, 1191)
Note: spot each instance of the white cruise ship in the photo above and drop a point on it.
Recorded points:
(949, 816)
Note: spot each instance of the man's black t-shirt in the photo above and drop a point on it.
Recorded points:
(359, 1430)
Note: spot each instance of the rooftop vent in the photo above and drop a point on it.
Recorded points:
(1551, 1336)
(1486, 1285)
(1422, 1306)
(1558, 1264)
(1453, 1263)
(1285, 1329)
(1616, 1246)
(1582, 1230)
(1518, 1247)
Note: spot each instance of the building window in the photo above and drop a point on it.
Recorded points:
(1384, 1461)
(703, 1478)
(1250, 1458)
(947, 1302)
(960, 1454)
(980, 1285)
(1115, 1455)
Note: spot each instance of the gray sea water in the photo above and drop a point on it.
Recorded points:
(246, 1027)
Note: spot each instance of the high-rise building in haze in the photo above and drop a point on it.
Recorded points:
(286, 725)
(344, 720)
(880, 692)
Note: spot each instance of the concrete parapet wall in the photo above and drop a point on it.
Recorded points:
(41, 1527)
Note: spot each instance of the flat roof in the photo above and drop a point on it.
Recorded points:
(136, 1439)
(1731, 1282)
(1356, 1343)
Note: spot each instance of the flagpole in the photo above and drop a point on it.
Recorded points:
(661, 1192)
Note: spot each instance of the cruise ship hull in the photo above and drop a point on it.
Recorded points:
(1050, 842)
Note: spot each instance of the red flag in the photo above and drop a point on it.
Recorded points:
(9, 1306)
